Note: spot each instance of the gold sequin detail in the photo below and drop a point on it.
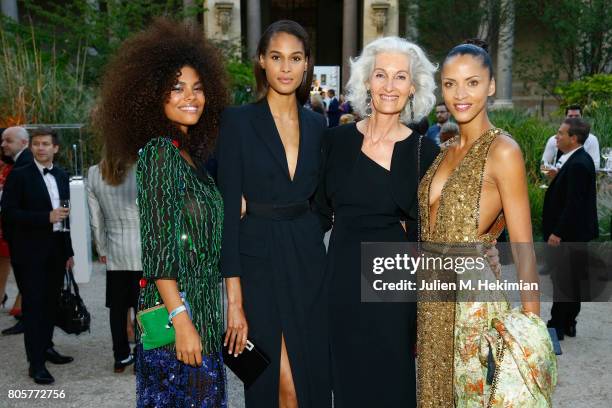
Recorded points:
(457, 222)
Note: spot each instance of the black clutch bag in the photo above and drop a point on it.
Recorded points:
(249, 365)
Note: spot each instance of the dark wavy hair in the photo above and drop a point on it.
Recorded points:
(475, 47)
(296, 30)
(136, 84)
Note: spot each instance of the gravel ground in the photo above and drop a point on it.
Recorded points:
(584, 380)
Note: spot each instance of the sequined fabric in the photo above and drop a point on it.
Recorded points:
(445, 327)
(181, 218)
(165, 382)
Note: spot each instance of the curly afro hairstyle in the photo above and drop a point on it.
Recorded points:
(137, 82)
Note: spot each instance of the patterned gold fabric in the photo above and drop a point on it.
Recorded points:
(446, 329)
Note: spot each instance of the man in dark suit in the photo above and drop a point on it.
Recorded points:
(570, 216)
(15, 144)
(333, 110)
(40, 249)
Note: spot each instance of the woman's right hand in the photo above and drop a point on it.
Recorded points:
(187, 342)
(242, 208)
(237, 330)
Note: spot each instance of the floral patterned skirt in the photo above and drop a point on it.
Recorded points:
(162, 381)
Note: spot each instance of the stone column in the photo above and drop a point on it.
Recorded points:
(253, 26)
(505, 47)
(9, 9)
(349, 36)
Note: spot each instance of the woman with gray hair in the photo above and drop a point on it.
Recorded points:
(369, 178)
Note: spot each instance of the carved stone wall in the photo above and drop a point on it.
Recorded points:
(380, 18)
(222, 20)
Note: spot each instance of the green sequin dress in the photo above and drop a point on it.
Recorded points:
(181, 217)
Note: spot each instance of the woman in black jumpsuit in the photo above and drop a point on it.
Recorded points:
(274, 257)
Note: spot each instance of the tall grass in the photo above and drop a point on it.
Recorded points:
(35, 87)
(601, 120)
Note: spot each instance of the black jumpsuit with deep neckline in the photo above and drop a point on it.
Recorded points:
(280, 262)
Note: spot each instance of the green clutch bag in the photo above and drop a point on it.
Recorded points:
(154, 328)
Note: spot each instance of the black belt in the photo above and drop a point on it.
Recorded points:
(278, 212)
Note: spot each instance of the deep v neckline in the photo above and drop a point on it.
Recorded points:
(446, 183)
(300, 145)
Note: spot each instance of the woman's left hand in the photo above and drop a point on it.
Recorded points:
(237, 330)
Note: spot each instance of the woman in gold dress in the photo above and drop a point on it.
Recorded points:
(466, 193)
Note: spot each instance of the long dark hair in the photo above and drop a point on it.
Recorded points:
(296, 30)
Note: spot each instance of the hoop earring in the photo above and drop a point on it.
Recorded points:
(412, 108)
(368, 101)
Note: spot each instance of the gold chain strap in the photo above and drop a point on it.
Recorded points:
(417, 192)
(500, 357)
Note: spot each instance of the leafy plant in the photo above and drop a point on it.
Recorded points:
(442, 24)
(240, 72)
(577, 43)
(591, 92)
(50, 70)
(242, 81)
(601, 124)
(36, 86)
(99, 26)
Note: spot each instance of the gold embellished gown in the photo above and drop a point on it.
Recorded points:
(450, 372)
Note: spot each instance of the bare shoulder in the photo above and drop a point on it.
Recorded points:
(505, 150)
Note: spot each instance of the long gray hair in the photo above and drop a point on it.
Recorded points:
(421, 74)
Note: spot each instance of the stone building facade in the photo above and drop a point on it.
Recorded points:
(340, 28)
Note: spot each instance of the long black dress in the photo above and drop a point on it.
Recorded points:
(281, 262)
(372, 344)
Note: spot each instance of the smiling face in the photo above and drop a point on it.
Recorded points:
(390, 83)
(466, 85)
(185, 103)
(285, 63)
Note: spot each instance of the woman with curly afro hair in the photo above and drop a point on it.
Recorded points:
(162, 96)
